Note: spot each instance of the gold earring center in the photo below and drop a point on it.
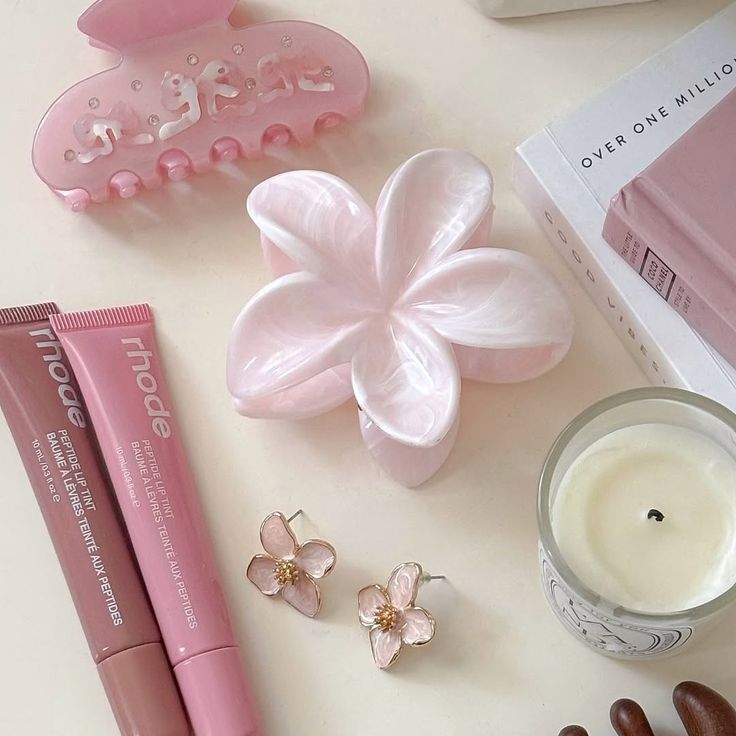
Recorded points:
(286, 572)
(387, 616)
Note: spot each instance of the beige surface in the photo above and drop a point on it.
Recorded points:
(443, 76)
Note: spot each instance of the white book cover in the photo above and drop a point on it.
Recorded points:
(519, 8)
(567, 173)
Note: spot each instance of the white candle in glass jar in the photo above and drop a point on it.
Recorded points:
(646, 517)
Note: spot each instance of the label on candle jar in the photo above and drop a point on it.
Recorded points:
(601, 629)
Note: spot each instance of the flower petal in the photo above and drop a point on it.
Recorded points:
(277, 538)
(316, 396)
(428, 209)
(418, 627)
(408, 465)
(370, 599)
(481, 236)
(261, 573)
(405, 378)
(492, 298)
(316, 557)
(278, 263)
(292, 330)
(303, 595)
(385, 645)
(509, 365)
(403, 584)
(318, 221)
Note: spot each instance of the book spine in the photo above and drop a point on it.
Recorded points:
(628, 325)
(620, 233)
(662, 271)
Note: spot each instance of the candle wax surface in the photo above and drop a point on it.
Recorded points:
(599, 518)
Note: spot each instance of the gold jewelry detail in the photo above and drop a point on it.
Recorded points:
(286, 572)
(387, 616)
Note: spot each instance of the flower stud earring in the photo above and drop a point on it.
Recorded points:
(291, 568)
(391, 616)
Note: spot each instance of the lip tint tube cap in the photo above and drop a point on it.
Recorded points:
(217, 695)
(142, 694)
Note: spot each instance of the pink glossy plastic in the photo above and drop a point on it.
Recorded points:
(115, 356)
(190, 90)
(391, 305)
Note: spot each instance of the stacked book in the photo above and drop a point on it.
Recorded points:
(637, 190)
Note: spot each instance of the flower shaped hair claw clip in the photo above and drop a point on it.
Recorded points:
(290, 568)
(391, 305)
(391, 615)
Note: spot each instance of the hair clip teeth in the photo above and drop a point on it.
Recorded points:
(225, 149)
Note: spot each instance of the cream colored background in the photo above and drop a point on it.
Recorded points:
(443, 76)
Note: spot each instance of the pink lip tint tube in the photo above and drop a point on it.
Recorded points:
(42, 404)
(116, 360)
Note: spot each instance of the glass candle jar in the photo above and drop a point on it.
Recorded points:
(637, 521)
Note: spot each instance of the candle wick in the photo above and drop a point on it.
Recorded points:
(655, 514)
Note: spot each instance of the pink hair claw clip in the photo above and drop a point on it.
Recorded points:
(189, 90)
(392, 305)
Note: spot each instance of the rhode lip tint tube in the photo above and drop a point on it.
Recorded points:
(115, 357)
(42, 404)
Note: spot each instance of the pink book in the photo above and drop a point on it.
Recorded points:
(675, 223)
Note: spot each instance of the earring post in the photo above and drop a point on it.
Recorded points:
(427, 578)
(295, 514)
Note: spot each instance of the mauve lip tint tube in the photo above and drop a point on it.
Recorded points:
(116, 359)
(43, 407)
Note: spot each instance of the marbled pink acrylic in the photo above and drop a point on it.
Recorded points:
(391, 305)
